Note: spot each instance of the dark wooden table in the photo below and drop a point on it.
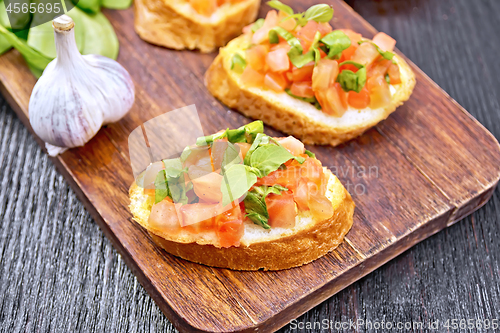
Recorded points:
(58, 273)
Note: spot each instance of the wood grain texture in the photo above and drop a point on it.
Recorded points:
(350, 304)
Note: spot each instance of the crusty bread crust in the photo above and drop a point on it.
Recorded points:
(291, 115)
(299, 247)
(176, 25)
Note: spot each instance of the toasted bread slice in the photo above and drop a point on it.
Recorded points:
(291, 115)
(271, 249)
(175, 24)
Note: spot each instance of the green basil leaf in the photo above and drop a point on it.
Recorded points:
(238, 64)
(273, 37)
(237, 180)
(252, 129)
(176, 182)
(310, 154)
(280, 6)
(231, 156)
(314, 47)
(336, 41)
(387, 79)
(258, 24)
(319, 13)
(255, 203)
(173, 167)
(161, 187)
(311, 100)
(288, 36)
(206, 140)
(245, 133)
(298, 59)
(350, 81)
(269, 158)
(260, 139)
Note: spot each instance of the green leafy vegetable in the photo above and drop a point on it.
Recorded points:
(299, 59)
(387, 79)
(319, 13)
(260, 140)
(161, 187)
(255, 203)
(280, 6)
(336, 42)
(385, 54)
(310, 154)
(238, 64)
(116, 4)
(231, 156)
(311, 100)
(174, 174)
(258, 24)
(4, 45)
(91, 6)
(314, 47)
(35, 59)
(269, 158)
(237, 180)
(245, 133)
(352, 81)
(286, 35)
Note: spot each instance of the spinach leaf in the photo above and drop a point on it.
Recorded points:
(35, 59)
(336, 41)
(4, 45)
(161, 187)
(237, 180)
(280, 6)
(255, 203)
(238, 64)
(352, 81)
(269, 158)
(116, 4)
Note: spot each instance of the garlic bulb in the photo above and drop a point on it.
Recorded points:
(77, 94)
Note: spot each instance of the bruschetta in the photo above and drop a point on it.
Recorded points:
(242, 200)
(193, 24)
(298, 75)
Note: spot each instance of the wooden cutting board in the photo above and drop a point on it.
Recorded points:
(427, 166)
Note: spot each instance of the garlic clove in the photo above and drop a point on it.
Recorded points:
(77, 94)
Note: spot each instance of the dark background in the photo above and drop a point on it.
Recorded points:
(58, 273)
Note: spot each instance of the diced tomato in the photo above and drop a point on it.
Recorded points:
(262, 35)
(283, 44)
(324, 74)
(302, 89)
(204, 7)
(288, 24)
(150, 175)
(163, 217)
(277, 60)
(252, 78)
(300, 195)
(244, 148)
(304, 73)
(256, 57)
(294, 146)
(319, 204)
(307, 33)
(333, 100)
(281, 209)
(380, 94)
(197, 216)
(394, 74)
(379, 67)
(207, 187)
(365, 54)
(275, 81)
(229, 226)
(348, 53)
(287, 178)
(359, 100)
(312, 170)
(384, 41)
(324, 28)
(353, 36)
(149, 191)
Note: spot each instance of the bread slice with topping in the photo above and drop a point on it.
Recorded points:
(181, 25)
(268, 249)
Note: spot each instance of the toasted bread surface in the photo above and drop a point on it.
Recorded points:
(175, 24)
(291, 115)
(274, 249)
